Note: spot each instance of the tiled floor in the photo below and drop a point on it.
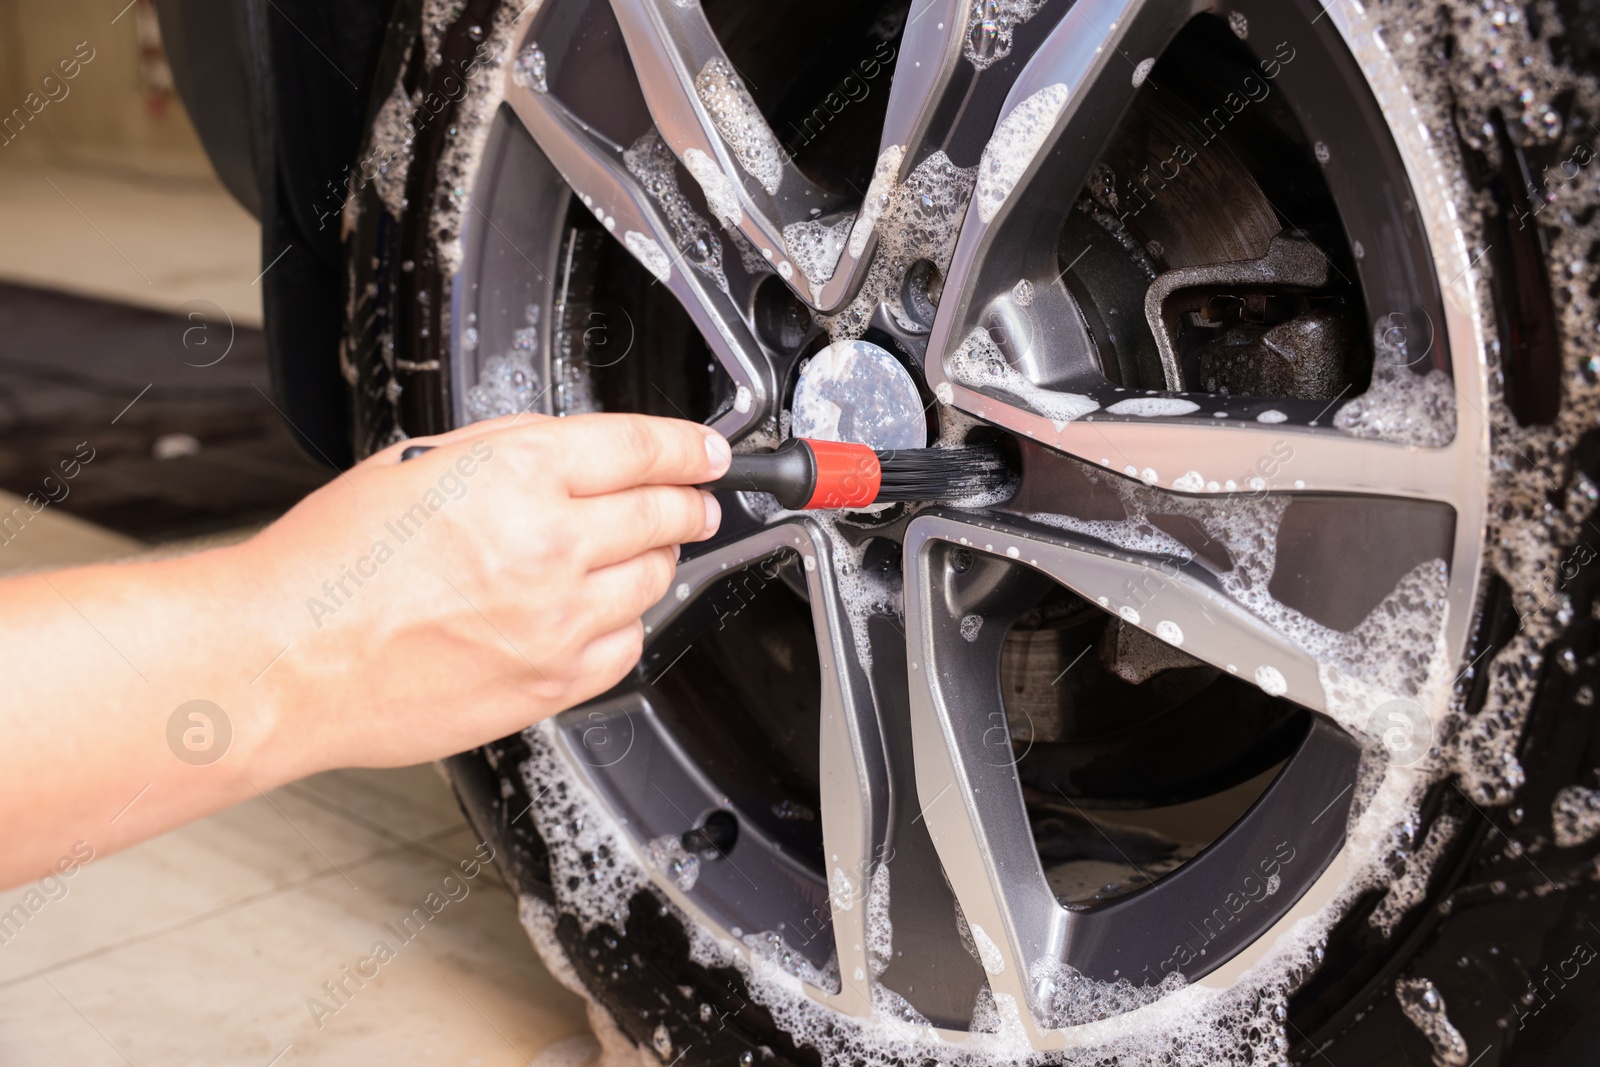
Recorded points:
(209, 945)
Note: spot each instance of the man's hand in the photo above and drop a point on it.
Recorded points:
(516, 561)
(401, 613)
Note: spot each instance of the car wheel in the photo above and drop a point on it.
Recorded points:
(1253, 724)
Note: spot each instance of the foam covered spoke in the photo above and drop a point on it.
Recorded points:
(600, 175)
(853, 778)
(705, 114)
(1160, 588)
(1032, 948)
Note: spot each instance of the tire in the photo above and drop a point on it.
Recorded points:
(1255, 725)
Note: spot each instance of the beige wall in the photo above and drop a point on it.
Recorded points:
(115, 114)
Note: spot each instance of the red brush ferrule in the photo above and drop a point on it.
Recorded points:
(848, 476)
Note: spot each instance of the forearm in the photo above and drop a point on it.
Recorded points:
(98, 661)
(399, 614)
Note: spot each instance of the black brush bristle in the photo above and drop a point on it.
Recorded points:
(973, 472)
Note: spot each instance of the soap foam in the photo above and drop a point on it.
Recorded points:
(885, 173)
(815, 247)
(463, 150)
(1424, 1006)
(667, 855)
(1575, 815)
(507, 385)
(1408, 890)
(720, 191)
(979, 364)
(1016, 140)
(740, 122)
(1403, 407)
(649, 253)
(393, 142)
(1154, 406)
(656, 169)
(920, 219)
(992, 26)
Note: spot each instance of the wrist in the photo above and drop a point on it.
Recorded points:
(218, 643)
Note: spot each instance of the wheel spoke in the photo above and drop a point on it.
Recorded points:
(597, 173)
(917, 770)
(1166, 592)
(1193, 456)
(1060, 110)
(854, 783)
(707, 118)
(930, 51)
(968, 783)
(1009, 343)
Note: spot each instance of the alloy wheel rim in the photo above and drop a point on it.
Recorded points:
(865, 765)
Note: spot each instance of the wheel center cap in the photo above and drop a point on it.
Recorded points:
(856, 391)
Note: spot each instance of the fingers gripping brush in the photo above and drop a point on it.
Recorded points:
(809, 475)
(805, 474)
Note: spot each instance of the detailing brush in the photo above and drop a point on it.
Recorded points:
(807, 474)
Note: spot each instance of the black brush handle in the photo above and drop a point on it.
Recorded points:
(789, 473)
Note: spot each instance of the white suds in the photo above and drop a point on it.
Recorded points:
(1272, 416)
(1189, 482)
(979, 364)
(988, 952)
(507, 385)
(1403, 407)
(652, 164)
(667, 854)
(393, 142)
(920, 220)
(1170, 632)
(646, 251)
(880, 931)
(815, 246)
(1022, 293)
(475, 111)
(1425, 1008)
(991, 25)
(740, 122)
(1271, 680)
(1575, 815)
(1068, 998)
(884, 175)
(1153, 406)
(1015, 142)
(530, 69)
(591, 872)
(1407, 891)
(722, 195)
